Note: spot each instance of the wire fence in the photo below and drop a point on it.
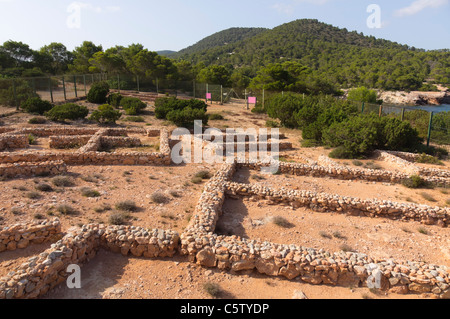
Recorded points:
(433, 127)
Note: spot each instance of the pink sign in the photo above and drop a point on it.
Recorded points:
(208, 96)
(252, 100)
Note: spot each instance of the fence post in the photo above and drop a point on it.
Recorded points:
(221, 95)
(92, 78)
(263, 99)
(363, 106)
(75, 85)
(403, 114)
(381, 111)
(15, 95)
(64, 88)
(430, 127)
(137, 81)
(84, 80)
(51, 89)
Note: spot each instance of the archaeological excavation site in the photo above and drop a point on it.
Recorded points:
(110, 200)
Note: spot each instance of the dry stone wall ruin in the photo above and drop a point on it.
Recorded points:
(200, 243)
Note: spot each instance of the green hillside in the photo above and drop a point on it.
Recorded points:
(220, 39)
(336, 55)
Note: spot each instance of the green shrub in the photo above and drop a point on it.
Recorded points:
(10, 97)
(212, 289)
(88, 192)
(428, 159)
(68, 111)
(114, 99)
(159, 198)
(98, 93)
(216, 117)
(187, 116)
(203, 175)
(363, 94)
(37, 120)
(415, 182)
(359, 136)
(44, 187)
(118, 218)
(32, 139)
(127, 206)
(272, 124)
(163, 106)
(66, 210)
(62, 181)
(132, 105)
(135, 119)
(36, 105)
(106, 114)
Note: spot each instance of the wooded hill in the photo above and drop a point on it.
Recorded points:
(344, 58)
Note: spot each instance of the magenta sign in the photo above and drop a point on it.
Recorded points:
(252, 100)
(208, 96)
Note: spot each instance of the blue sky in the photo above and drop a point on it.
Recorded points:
(176, 24)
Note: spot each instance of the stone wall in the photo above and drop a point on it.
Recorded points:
(8, 142)
(42, 273)
(293, 261)
(322, 202)
(347, 173)
(21, 168)
(89, 153)
(66, 142)
(119, 141)
(407, 162)
(20, 236)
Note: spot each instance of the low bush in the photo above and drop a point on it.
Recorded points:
(66, 210)
(44, 187)
(88, 192)
(159, 198)
(132, 105)
(114, 99)
(359, 136)
(415, 182)
(118, 218)
(127, 206)
(106, 114)
(70, 111)
(62, 181)
(203, 175)
(135, 119)
(216, 117)
(37, 120)
(98, 93)
(212, 289)
(186, 117)
(182, 113)
(36, 105)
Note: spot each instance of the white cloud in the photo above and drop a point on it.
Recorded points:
(420, 5)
